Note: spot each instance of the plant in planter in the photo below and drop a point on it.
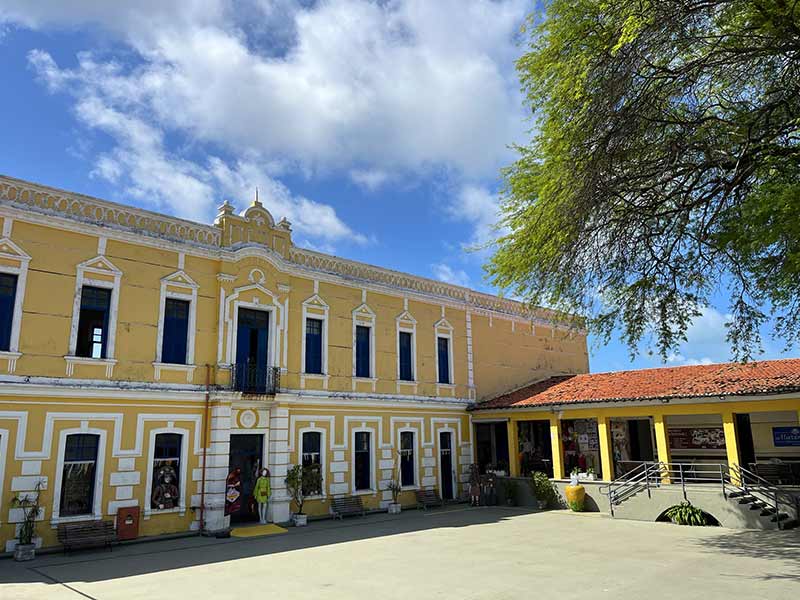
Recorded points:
(575, 493)
(686, 513)
(298, 479)
(29, 503)
(394, 487)
(511, 487)
(543, 490)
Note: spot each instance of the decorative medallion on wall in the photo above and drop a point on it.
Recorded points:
(248, 419)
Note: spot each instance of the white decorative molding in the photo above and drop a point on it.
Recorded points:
(364, 316)
(189, 287)
(315, 307)
(108, 363)
(11, 252)
(97, 266)
(99, 466)
(405, 322)
(184, 468)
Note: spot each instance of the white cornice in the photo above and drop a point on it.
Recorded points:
(48, 206)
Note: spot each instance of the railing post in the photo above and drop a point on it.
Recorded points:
(777, 512)
(683, 481)
(722, 480)
(647, 479)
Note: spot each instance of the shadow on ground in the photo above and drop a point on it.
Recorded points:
(783, 546)
(145, 558)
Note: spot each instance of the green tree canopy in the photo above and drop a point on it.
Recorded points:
(664, 166)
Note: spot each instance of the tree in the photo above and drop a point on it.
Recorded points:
(664, 167)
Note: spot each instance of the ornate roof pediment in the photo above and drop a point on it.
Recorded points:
(9, 249)
(100, 264)
(180, 278)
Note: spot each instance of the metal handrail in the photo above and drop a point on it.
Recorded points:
(734, 478)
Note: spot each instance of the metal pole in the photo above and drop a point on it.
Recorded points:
(722, 479)
(647, 478)
(777, 512)
(683, 481)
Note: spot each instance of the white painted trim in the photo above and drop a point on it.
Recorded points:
(232, 305)
(82, 360)
(21, 272)
(182, 476)
(364, 316)
(453, 458)
(323, 462)
(417, 454)
(405, 322)
(315, 302)
(189, 284)
(83, 272)
(373, 462)
(4, 434)
(97, 500)
(188, 370)
(448, 335)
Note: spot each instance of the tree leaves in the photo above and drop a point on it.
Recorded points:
(665, 165)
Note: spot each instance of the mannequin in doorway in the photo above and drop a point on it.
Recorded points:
(261, 494)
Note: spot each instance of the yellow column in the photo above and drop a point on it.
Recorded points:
(513, 448)
(606, 452)
(557, 448)
(662, 441)
(731, 443)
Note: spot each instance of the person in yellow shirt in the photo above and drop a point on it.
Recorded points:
(261, 494)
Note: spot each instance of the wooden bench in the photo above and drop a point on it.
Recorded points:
(86, 534)
(347, 505)
(426, 498)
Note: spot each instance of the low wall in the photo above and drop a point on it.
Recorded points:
(595, 501)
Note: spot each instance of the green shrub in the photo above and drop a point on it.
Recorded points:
(543, 488)
(686, 513)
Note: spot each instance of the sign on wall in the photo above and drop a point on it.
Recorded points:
(786, 436)
(697, 438)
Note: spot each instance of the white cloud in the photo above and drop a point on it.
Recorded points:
(479, 207)
(368, 179)
(446, 273)
(706, 342)
(402, 85)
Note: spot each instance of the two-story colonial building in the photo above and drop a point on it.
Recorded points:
(144, 357)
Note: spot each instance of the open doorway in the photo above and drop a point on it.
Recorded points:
(247, 453)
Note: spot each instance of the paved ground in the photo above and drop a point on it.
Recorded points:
(486, 553)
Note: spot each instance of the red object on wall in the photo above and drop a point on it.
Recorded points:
(128, 523)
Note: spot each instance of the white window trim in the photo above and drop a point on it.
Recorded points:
(21, 271)
(364, 316)
(83, 278)
(403, 320)
(271, 349)
(323, 465)
(148, 490)
(315, 302)
(448, 335)
(4, 454)
(97, 501)
(453, 459)
(416, 448)
(181, 280)
(373, 482)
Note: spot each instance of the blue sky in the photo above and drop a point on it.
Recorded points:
(377, 128)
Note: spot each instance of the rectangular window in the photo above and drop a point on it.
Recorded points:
(312, 457)
(93, 322)
(314, 346)
(78, 475)
(8, 294)
(443, 350)
(407, 459)
(362, 351)
(176, 331)
(165, 493)
(406, 367)
(363, 466)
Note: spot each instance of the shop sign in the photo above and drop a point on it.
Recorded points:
(786, 436)
(697, 438)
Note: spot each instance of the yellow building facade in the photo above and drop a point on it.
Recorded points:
(144, 357)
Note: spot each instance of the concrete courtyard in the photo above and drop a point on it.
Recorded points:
(458, 553)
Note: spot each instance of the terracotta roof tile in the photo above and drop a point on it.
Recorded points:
(726, 379)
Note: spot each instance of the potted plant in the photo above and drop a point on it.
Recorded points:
(394, 487)
(543, 490)
(575, 493)
(299, 479)
(29, 503)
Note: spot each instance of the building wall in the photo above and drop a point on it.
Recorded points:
(56, 240)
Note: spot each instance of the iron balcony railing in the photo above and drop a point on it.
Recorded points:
(255, 379)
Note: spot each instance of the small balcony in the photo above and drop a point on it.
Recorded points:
(255, 379)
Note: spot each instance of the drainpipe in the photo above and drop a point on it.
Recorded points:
(205, 451)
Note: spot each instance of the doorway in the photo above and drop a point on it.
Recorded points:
(446, 464)
(744, 439)
(252, 343)
(247, 453)
(491, 441)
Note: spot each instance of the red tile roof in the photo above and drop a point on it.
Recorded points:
(726, 379)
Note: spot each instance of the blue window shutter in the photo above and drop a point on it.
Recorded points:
(314, 346)
(444, 359)
(176, 331)
(406, 368)
(8, 293)
(362, 351)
